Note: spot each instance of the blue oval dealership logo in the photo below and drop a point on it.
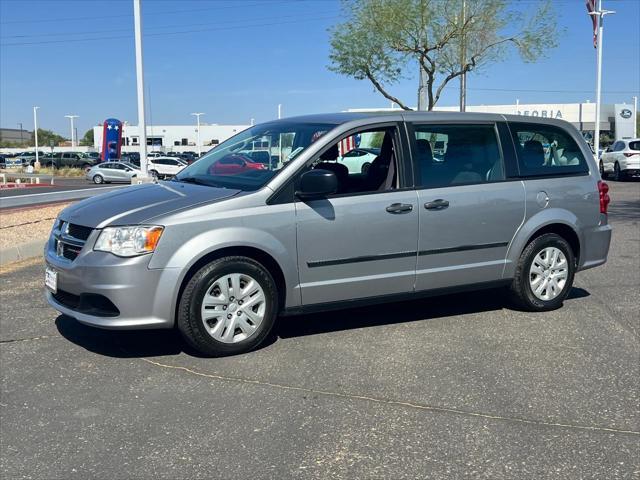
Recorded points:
(625, 113)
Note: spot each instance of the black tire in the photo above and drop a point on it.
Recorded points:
(86, 167)
(154, 174)
(521, 291)
(618, 175)
(98, 179)
(603, 174)
(189, 319)
(365, 167)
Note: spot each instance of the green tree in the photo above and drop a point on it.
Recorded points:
(48, 137)
(382, 40)
(87, 140)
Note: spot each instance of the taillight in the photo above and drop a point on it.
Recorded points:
(631, 154)
(603, 190)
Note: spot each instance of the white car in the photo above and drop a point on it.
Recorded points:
(161, 167)
(359, 160)
(622, 159)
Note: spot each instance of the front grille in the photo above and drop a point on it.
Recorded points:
(79, 232)
(70, 252)
(67, 299)
(70, 239)
(89, 303)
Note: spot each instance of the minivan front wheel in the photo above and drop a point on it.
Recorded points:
(228, 307)
(544, 274)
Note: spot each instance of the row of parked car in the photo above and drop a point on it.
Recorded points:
(128, 167)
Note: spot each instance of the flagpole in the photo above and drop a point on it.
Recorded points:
(599, 13)
(142, 125)
(596, 140)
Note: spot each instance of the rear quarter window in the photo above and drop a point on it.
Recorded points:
(546, 150)
(634, 145)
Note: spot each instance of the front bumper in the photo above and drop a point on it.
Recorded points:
(143, 297)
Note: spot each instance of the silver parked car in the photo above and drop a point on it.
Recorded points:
(107, 172)
(221, 253)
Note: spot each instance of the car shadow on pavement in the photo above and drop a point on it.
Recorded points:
(401, 312)
(156, 343)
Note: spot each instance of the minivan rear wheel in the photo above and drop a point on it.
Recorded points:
(228, 307)
(544, 274)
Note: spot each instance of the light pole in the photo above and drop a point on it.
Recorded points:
(35, 135)
(197, 115)
(635, 115)
(22, 141)
(599, 14)
(279, 111)
(142, 126)
(463, 60)
(71, 117)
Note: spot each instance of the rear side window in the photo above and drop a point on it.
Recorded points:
(447, 155)
(546, 150)
(634, 145)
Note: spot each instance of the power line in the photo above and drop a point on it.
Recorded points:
(155, 27)
(130, 15)
(547, 91)
(114, 37)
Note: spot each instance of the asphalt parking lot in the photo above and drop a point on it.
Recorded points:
(449, 387)
(61, 184)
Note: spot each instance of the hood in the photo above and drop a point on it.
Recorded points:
(137, 204)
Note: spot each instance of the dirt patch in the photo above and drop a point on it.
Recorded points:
(27, 225)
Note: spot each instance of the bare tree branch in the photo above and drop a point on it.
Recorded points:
(380, 88)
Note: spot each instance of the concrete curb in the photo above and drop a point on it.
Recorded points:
(17, 253)
(51, 197)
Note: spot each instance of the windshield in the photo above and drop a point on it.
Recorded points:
(250, 159)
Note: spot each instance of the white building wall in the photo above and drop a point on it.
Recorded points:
(582, 115)
(172, 134)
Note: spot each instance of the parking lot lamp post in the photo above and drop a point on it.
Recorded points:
(35, 135)
(142, 126)
(72, 117)
(599, 14)
(197, 115)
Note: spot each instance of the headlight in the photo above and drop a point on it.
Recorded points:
(128, 241)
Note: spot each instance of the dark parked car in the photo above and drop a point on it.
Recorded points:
(69, 159)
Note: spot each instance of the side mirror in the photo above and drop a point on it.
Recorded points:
(317, 184)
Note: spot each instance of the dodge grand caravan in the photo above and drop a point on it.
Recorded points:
(506, 201)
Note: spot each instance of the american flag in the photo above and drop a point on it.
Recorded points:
(348, 144)
(591, 7)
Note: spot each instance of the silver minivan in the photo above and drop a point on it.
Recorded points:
(223, 249)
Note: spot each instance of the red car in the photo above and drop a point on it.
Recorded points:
(233, 164)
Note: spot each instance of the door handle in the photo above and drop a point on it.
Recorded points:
(438, 204)
(399, 208)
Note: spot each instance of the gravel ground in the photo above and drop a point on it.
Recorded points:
(27, 225)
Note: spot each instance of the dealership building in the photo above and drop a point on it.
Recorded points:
(171, 138)
(618, 120)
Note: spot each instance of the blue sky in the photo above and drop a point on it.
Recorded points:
(239, 58)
